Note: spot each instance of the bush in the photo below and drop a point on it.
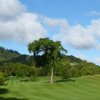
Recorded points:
(65, 72)
(19, 70)
(2, 78)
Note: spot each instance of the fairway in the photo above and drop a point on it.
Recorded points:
(83, 88)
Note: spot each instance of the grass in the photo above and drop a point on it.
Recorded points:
(83, 88)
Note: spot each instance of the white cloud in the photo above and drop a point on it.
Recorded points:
(78, 36)
(10, 9)
(95, 27)
(18, 24)
(96, 60)
(56, 22)
(93, 13)
(25, 28)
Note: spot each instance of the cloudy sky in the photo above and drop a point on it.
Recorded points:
(76, 23)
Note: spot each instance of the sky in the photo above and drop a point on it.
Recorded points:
(76, 23)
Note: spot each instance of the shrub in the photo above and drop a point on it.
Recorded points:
(65, 73)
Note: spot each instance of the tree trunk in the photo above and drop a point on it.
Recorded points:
(51, 78)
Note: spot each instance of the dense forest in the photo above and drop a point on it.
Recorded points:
(12, 63)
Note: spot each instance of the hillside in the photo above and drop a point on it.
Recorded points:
(82, 88)
(8, 55)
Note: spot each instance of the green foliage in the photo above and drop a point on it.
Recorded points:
(2, 77)
(19, 70)
(75, 68)
(45, 51)
(6, 54)
(90, 70)
(65, 72)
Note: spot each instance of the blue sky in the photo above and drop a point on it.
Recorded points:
(73, 10)
(74, 22)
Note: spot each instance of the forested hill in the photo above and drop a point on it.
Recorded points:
(8, 55)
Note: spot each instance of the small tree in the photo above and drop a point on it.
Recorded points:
(46, 51)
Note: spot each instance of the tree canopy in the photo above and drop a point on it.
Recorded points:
(47, 49)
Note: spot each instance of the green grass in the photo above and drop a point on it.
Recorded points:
(83, 88)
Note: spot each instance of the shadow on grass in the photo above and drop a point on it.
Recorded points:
(65, 80)
(5, 91)
(1, 98)
(62, 80)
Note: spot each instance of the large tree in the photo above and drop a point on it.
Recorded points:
(46, 52)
